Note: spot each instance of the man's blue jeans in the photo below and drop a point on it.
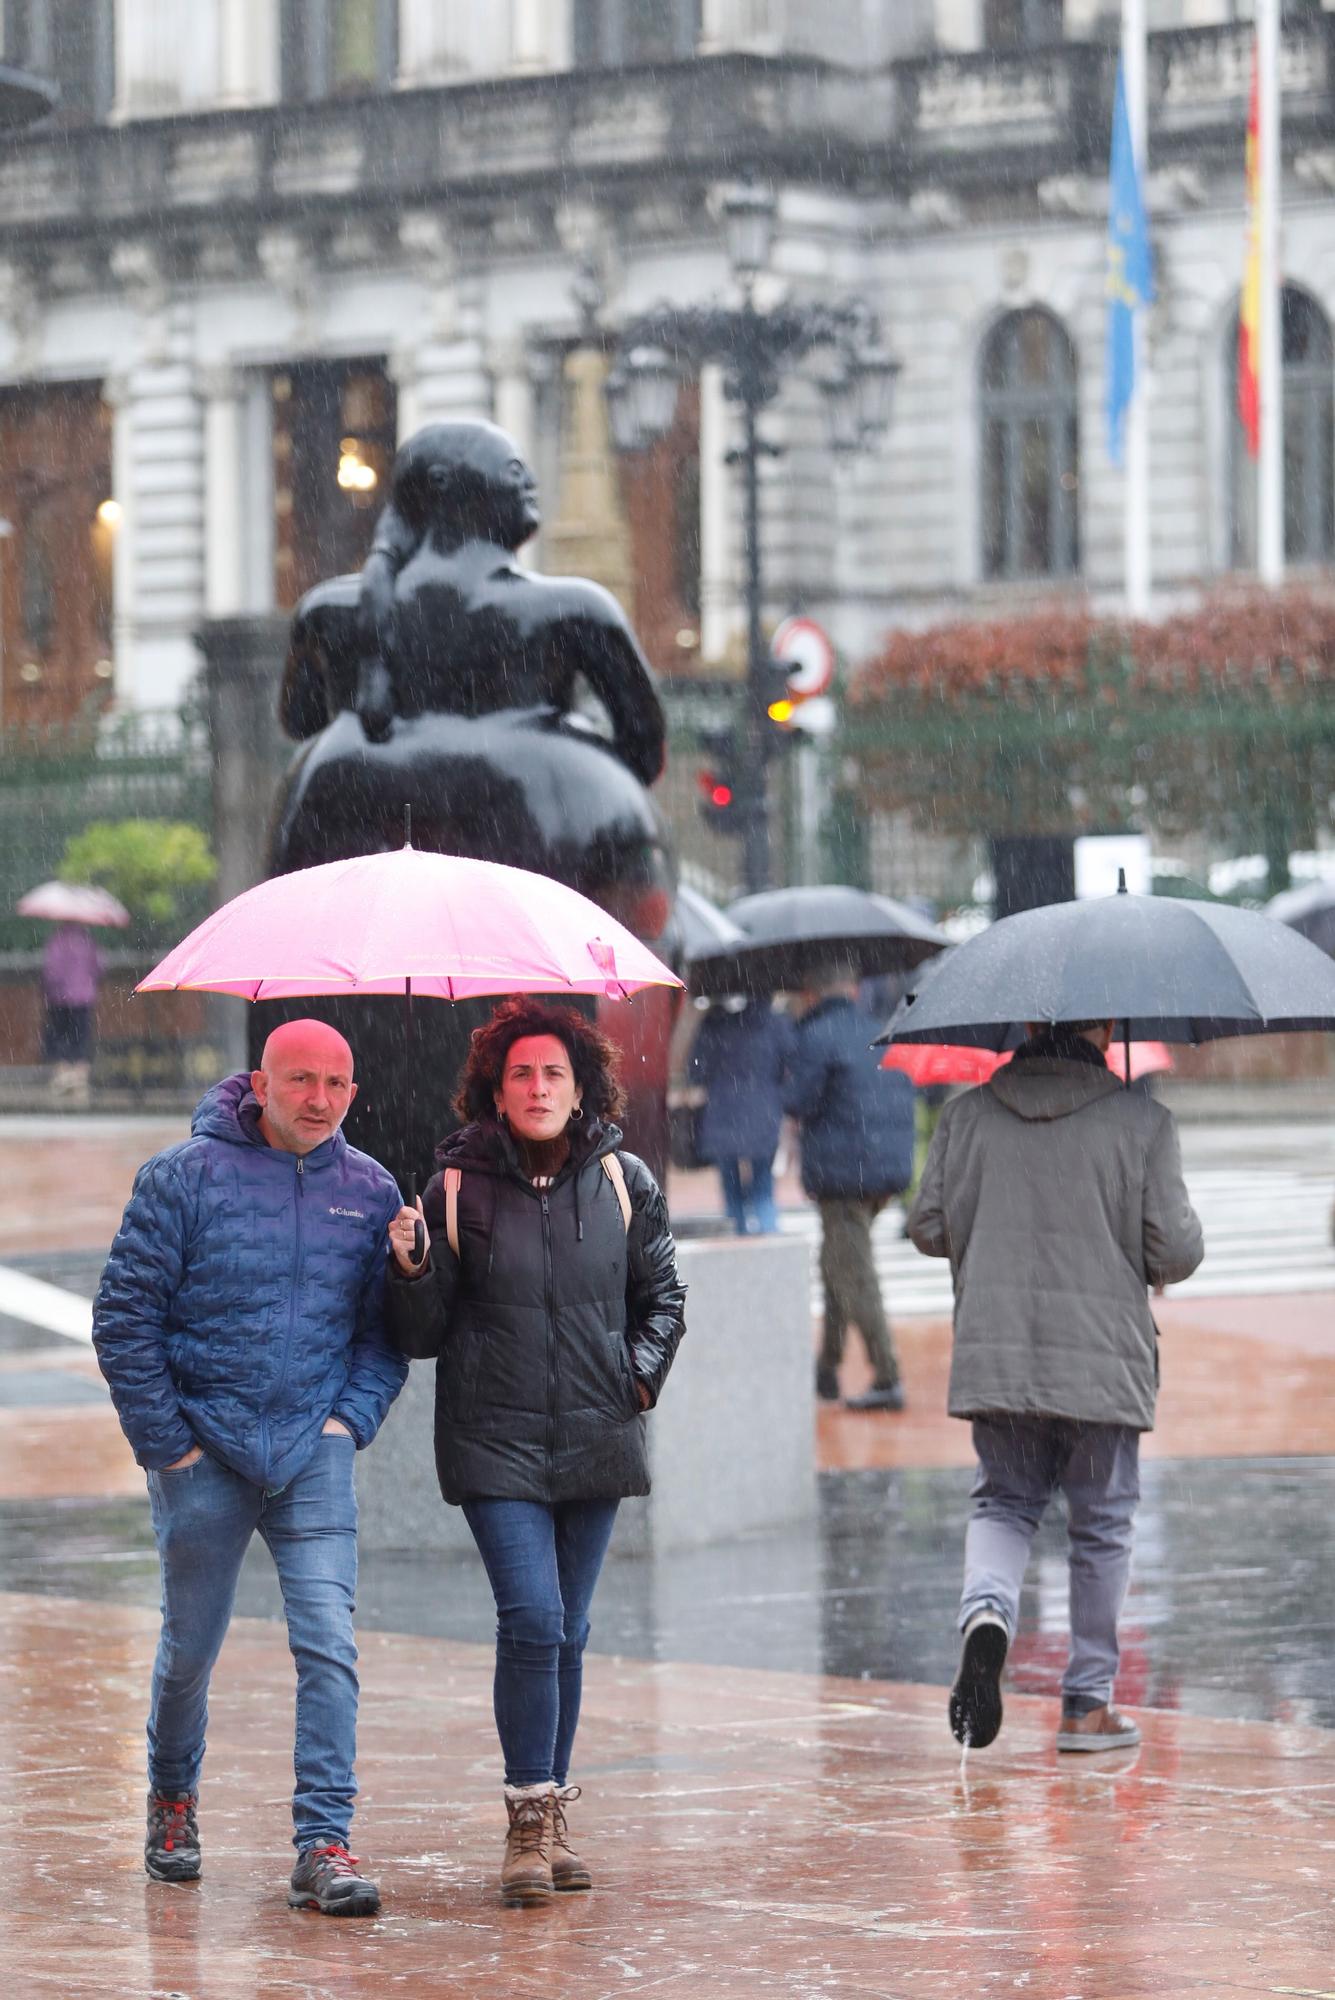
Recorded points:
(754, 1198)
(204, 1516)
(542, 1563)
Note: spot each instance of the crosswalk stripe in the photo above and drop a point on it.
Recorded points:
(1265, 1232)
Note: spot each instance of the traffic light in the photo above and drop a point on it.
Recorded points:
(720, 792)
(780, 704)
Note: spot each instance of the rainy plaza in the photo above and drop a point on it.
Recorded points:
(667, 966)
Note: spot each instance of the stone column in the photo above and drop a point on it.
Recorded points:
(512, 392)
(540, 35)
(243, 666)
(248, 62)
(740, 24)
(158, 449)
(436, 39)
(223, 391)
(442, 376)
(720, 609)
(166, 56)
(589, 535)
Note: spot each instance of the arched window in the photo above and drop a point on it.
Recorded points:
(1309, 439)
(613, 33)
(1030, 447)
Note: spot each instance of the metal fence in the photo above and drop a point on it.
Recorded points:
(56, 782)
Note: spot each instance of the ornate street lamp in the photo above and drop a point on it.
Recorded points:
(755, 349)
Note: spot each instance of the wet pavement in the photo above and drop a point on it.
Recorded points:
(773, 1803)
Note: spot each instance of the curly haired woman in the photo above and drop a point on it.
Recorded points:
(549, 1290)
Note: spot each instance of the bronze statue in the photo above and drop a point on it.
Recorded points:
(444, 678)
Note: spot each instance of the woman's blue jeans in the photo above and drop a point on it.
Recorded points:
(542, 1563)
(204, 1516)
(756, 1197)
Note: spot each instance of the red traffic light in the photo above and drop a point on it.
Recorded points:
(720, 795)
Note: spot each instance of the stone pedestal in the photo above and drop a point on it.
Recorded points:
(731, 1445)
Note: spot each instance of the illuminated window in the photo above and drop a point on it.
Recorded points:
(334, 429)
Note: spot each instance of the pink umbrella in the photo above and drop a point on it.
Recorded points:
(947, 1062)
(411, 923)
(74, 903)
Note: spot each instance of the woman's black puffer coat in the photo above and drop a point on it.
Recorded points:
(545, 1323)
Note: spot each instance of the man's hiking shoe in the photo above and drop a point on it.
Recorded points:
(881, 1396)
(171, 1846)
(975, 1699)
(326, 1879)
(1102, 1729)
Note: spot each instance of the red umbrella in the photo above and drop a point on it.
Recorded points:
(925, 1063)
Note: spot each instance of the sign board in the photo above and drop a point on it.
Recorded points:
(807, 650)
(1098, 856)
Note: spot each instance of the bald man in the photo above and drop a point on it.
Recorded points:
(239, 1324)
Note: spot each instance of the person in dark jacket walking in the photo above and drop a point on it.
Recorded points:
(856, 1122)
(1058, 1197)
(741, 1055)
(550, 1293)
(240, 1325)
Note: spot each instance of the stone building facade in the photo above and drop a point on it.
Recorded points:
(264, 238)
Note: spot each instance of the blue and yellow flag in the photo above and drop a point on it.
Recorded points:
(1130, 269)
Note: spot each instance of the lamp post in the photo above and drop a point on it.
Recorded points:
(755, 349)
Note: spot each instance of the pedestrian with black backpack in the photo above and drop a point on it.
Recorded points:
(549, 1290)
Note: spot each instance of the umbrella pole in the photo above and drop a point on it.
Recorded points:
(419, 1234)
(1126, 1052)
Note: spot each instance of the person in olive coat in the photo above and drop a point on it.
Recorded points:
(549, 1291)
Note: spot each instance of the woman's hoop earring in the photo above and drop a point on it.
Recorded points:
(577, 1114)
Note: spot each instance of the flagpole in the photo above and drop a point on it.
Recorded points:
(1270, 470)
(1136, 494)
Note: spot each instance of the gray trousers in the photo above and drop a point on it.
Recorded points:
(1022, 1461)
(852, 1290)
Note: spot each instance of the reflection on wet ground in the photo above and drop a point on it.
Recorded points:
(1231, 1612)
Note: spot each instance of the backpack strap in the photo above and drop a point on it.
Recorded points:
(453, 1176)
(615, 1173)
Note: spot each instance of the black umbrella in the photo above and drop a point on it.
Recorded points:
(1310, 911)
(795, 935)
(1166, 970)
(702, 926)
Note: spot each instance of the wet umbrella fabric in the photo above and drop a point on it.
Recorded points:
(1310, 911)
(1164, 969)
(436, 926)
(74, 903)
(702, 926)
(797, 934)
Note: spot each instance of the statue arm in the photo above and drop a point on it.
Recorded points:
(394, 543)
(623, 680)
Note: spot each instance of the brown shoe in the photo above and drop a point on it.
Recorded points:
(526, 1871)
(568, 1871)
(1102, 1729)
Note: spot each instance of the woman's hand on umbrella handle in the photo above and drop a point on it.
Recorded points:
(407, 1225)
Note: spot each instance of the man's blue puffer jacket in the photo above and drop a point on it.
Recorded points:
(242, 1303)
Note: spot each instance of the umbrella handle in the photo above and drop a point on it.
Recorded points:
(419, 1234)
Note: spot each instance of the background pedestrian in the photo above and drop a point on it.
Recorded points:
(856, 1123)
(71, 970)
(741, 1055)
(1058, 1197)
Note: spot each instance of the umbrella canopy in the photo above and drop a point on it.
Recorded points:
(797, 934)
(74, 903)
(1310, 911)
(702, 926)
(433, 925)
(1165, 970)
(926, 1063)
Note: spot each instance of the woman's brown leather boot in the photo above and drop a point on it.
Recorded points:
(568, 1871)
(526, 1871)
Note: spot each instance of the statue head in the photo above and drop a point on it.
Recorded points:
(468, 479)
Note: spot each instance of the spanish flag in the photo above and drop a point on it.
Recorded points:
(1249, 314)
